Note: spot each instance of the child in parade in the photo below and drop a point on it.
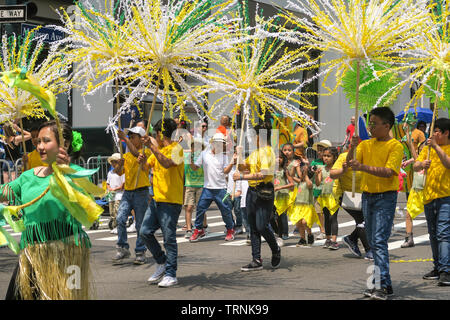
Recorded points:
(302, 213)
(167, 161)
(135, 196)
(436, 197)
(326, 199)
(53, 240)
(259, 169)
(283, 183)
(344, 175)
(316, 165)
(115, 183)
(379, 160)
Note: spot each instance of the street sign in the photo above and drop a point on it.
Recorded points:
(49, 34)
(10, 14)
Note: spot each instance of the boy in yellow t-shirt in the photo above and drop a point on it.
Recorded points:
(167, 161)
(379, 161)
(437, 198)
(135, 197)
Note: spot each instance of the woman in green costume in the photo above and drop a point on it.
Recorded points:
(54, 256)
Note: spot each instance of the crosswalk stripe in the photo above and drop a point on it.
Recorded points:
(420, 239)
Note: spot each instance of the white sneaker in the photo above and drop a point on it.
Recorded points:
(159, 273)
(321, 236)
(114, 231)
(280, 242)
(168, 281)
(132, 228)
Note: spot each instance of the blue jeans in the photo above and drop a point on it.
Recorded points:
(165, 216)
(379, 211)
(259, 213)
(245, 220)
(437, 213)
(206, 198)
(137, 200)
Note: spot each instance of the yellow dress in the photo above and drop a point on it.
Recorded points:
(327, 198)
(415, 199)
(283, 198)
(303, 207)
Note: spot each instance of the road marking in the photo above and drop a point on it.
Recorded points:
(420, 239)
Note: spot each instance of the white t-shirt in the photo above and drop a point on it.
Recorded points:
(213, 166)
(230, 185)
(244, 188)
(114, 181)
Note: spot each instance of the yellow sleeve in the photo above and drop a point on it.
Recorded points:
(151, 160)
(340, 161)
(395, 158)
(177, 155)
(423, 155)
(360, 151)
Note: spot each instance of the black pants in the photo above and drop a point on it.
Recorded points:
(259, 213)
(331, 222)
(360, 231)
(280, 224)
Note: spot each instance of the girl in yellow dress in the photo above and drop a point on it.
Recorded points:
(302, 213)
(327, 200)
(283, 183)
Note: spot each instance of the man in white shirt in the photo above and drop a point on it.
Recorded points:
(215, 167)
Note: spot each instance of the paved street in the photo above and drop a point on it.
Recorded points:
(210, 268)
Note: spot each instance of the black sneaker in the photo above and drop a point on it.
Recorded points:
(432, 275)
(444, 279)
(253, 266)
(383, 293)
(276, 259)
(310, 239)
(301, 242)
(369, 292)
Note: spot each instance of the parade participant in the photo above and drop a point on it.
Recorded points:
(302, 214)
(193, 183)
(379, 159)
(300, 141)
(326, 199)
(135, 196)
(53, 240)
(167, 161)
(12, 148)
(343, 173)
(418, 135)
(283, 184)
(33, 159)
(260, 196)
(436, 196)
(115, 182)
(316, 166)
(215, 167)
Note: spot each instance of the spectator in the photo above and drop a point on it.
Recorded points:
(12, 148)
(418, 135)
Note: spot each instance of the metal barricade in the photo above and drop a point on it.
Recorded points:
(10, 170)
(102, 174)
(18, 167)
(311, 154)
(80, 162)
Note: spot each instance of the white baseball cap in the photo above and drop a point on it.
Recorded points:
(219, 137)
(114, 156)
(323, 143)
(138, 130)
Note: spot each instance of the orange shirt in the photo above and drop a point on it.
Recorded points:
(300, 135)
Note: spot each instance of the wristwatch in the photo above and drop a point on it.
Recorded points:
(241, 177)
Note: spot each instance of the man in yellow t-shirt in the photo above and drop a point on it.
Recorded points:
(344, 175)
(437, 198)
(167, 161)
(379, 160)
(259, 170)
(135, 196)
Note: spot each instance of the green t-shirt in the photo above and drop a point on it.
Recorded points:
(317, 190)
(47, 219)
(193, 178)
